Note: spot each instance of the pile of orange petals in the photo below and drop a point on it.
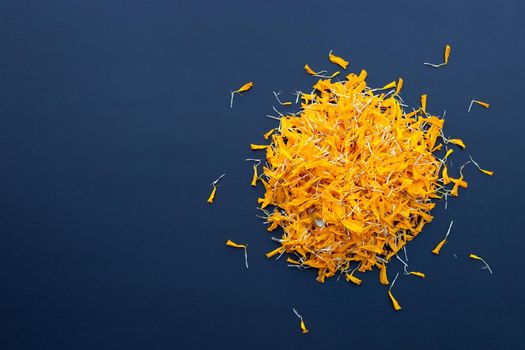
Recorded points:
(352, 178)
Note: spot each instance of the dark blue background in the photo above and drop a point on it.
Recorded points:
(114, 119)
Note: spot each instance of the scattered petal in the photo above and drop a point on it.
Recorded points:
(449, 152)
(230, 243)
(446, 56)
(399, 85)
(337, 60)
(457, 142)
(424, 103)
(214, 190)
(418, 274)
(481, 103)
(302, 324)
(258, 147)
(389, 86)
(353, 279)
(243, 88)
(476, 257)
(309, 70)
(487, 172)
(212, 194)
(440, 244)
(447, 53)
(395, 304)
(382, 275)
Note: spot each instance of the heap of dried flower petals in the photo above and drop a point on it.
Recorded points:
(352, 178)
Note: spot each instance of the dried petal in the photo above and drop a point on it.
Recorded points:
(458, 142)
(212, 194)
(399, 85)
(447, 53)
(245, 87)
(395, 304)
(255, 177)
(258, 147)
(230, 243)
(353, 279)
(337, 60)
(424, 103)
(389, 86)
(418, 274)
(309, 70)
(382, 275)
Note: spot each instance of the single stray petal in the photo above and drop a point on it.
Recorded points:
(395, 304)
(245, 87)
(337, 60)
(418, 274)
(258, 147)
(457, 142)
(475, 257)
(353, 279)
(389, 86)
(383, 279)
(440, 244)
(399, 85)
(309, 70)
(212, 194)
(447, 53)
(230, 243)
(424, 103)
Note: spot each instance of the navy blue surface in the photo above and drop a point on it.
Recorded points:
(114, 119)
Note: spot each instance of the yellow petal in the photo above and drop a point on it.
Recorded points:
(395, 304)
(455, 188)
(230, 243)
(363, 74)
(353, 225)
(473, 256)
(449, 152)
(439, 246)
(274, 252)
(383, 279)
(245, 87)
(481, 103)
(399, 85)
(418, 274)
(447, 53)
(486, 172)
(212, 194)
(353, 279)
(268, 134)
(309, 70)
(444, 175)
(437, 148)
(292, 261)
(389, 86)
(337, 60)
(424, 103)
(258, 147)
(307, 97)
(458, 142)
(254, 179)
(303, 327)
